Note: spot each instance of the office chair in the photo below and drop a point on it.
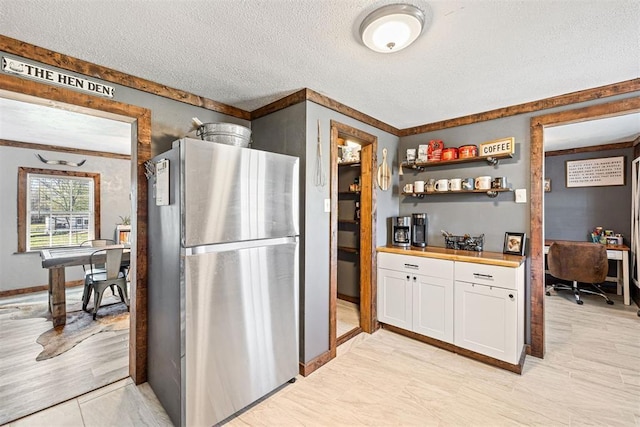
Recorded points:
(578, 262)
(98, 280)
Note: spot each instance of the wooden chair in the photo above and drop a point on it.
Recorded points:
(579, 262)
(98, 280)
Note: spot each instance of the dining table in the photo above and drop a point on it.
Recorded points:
(56, 260)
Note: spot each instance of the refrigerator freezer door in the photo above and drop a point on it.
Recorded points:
(241, 326)
(233, 194)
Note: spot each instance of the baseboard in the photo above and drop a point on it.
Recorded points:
(462, 351)
(32, 289)
(346, 337)
(307, 369)
(354, 300)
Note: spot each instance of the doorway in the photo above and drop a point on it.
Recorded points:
(353, 215)
(140, 121)
(538, 124)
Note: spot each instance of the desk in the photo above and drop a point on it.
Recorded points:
(56, 260)
(618, 253)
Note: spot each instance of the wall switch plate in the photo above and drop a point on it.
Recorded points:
(521, 195)
(327, 205)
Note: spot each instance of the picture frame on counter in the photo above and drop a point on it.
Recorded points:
(514, 243)
(547, 185)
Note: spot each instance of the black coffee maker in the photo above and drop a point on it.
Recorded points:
(401, 231)
(419, 230)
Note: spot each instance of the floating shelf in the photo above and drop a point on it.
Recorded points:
(348, 163)
(348, 192)
(492, 160)
(491, 193)
(347, 249)
(349, 221)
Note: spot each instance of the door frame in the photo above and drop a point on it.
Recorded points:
(368, 216)
(538, 123)
(140, 120)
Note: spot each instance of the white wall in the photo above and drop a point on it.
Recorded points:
(23, 270)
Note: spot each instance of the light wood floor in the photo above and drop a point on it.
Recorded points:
(347, 316)
(590, 376)
(28, 386)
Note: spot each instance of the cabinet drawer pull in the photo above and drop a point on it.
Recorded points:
(408, 277)
(414, 266)
(483, 276)
(511, 296)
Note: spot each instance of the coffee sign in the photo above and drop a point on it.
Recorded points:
(497, 147)
(36, 72)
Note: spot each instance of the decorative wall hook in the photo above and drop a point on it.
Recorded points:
(60, 162)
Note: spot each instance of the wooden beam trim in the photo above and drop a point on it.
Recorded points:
(536, 159)
(35, 146)
(334, 105)
(310, 95)
(138, 319)
(49, 57)
(41, 288)
(591, 149)
(289, 100)
(627, 86)
(307, 369)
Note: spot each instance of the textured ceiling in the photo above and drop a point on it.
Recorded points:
(474, 56)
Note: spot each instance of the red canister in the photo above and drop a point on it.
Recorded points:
(467, 151)
(449, 154)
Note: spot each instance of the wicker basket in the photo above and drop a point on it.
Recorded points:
(465, 242)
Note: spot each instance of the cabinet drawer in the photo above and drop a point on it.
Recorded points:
(416, 265)
(491, 275)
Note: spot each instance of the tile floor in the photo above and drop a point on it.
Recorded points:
(590, 376)
(347, 316)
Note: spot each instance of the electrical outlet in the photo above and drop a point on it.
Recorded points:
(327, 205)
(521, 195)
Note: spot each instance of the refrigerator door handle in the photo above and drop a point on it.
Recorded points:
(222, 247)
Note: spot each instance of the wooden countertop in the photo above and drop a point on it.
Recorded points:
(484, 257)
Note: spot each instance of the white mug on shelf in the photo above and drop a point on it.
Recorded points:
(418, 186)
(442, 185)
(408, 188)
(455, 184)
(483, 183)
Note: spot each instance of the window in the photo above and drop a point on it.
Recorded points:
(56, 208)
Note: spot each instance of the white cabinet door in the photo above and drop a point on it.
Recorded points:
(394, 298)
(486, 320)
(433, 307)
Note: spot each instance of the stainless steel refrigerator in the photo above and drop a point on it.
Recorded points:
(223, 278)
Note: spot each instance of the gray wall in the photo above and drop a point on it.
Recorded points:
(572, 213)
(22, 270)
(476, 213)
(170, 120)
(294, 131)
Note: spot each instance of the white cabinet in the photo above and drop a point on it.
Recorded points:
(489, 310)
(394, 298)
(433, 307)
(477, 307)
(416, 294)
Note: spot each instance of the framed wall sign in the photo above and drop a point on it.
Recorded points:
(498, 146)
(599, 172)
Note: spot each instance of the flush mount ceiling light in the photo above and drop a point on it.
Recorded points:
(391, 28)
